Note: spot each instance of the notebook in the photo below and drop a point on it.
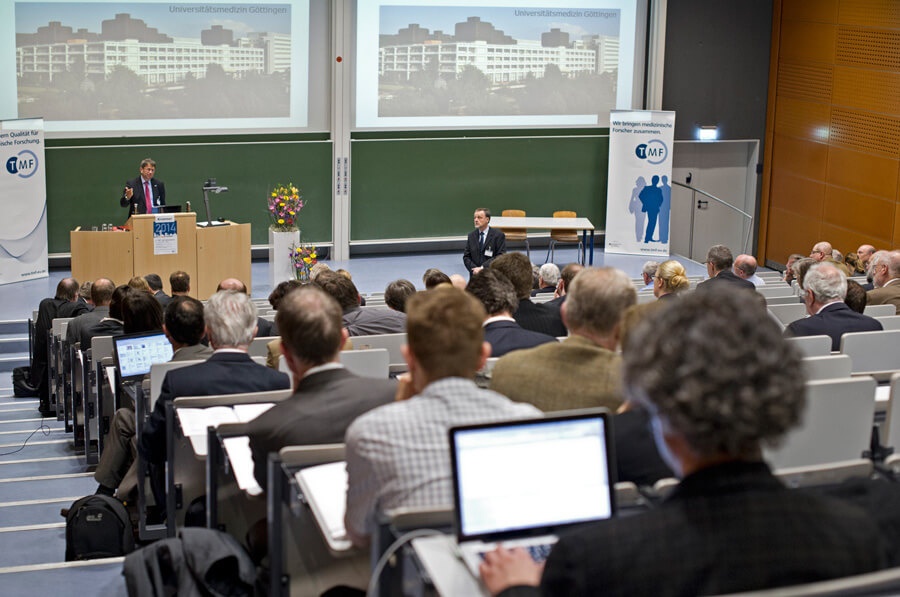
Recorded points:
(519, 482)
(134, 353)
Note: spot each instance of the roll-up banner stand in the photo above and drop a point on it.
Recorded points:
(638, 199)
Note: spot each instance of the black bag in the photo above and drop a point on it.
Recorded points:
(22, 386)
(98, 526)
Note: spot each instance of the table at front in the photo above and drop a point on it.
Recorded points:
(538, 223)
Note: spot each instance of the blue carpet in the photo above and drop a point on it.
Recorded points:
(34, 547)
(98, 579)
(14, 516)
(45, 489)
(50, 467)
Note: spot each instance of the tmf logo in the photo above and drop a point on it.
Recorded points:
(23, 165)
(655, 152)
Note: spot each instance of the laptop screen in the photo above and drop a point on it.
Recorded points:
(532, 476)
(136, 352)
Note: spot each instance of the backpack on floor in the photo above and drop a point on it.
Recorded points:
(98, 526)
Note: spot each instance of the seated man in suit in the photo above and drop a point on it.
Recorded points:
(719, 262)
(719, 383)
(156, 287)
(398, 455)
(885, 268)
(565, 279)
(359, 321)
(101, 294)
(825, 287)
(501, 331)
(112, 324)
(484, 244)
(543, 318)
(327, 397)
(584, 370)
(548, 278)
(230, 321)
(116, 473)
(264, 327)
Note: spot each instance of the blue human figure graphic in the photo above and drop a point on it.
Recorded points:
(651, 199)
(664, 210)
(634, 207)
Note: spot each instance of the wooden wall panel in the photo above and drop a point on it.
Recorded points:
(813, 42)
(805, 120)
(822, 11)
(865, 131)
(792, 233)
(812, 82)
(871, 216)
(873, 90)
(895, 241)
(870, 13)
(803, 158)
(800, 195)
(865, 47)
(844, 239)
(866, 173)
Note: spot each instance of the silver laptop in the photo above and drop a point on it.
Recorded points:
(518, 483)
(135, 353)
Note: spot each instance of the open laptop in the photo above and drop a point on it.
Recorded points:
(135, 353)
(520, 482)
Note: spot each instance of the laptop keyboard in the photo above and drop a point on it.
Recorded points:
(538, 553)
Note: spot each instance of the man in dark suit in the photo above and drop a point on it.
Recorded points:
(726, 387)
(826, 287)
(155, 284)
(327, 397)
(543, 318)
(144, 194)
(359, 321)
(719, 261)
(501, 331)
(885, 270)
(484, 243)
(230, 319)
(264, 327)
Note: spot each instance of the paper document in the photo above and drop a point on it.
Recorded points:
(325, 489)
(194, 421)
(241, 458)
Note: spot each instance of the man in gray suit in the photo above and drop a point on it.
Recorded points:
(327, 397)
(885, 268)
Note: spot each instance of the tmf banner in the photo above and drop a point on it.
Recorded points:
(23, 201)
(638, 199)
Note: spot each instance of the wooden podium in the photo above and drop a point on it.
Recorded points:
(148, 261)
(208, 255)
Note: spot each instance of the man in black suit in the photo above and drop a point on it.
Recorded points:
(543, 318)
(230, 319)
(327, 397)
(144, 194)
(825, 288)
(728, 386)
(155, 284)
(719, 261)
(264, 327)
(501, 331)
(483, 244)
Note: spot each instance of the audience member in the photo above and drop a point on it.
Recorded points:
(719, 384)
(718, 266)
(230, 319)
(501, 331)
(110, 325)
(542, 318)
(484, 244)
(565, 278)
(584, 370)
(800, 267)
(863, 256)
(788, 268)
(458, 281)
(397, 293)
(745, 268)
(263, 326)
(359, 321)
(317, 269)
(327, 397)
(275, 298)
(180, 283)
(361, 299)
(398, 454)
(156, 287)
(821, 251)
(101, 293)
(84, 294)
(856, 296)
(670, 279)
(433, 277)
(648, 272)
(885, 266)
(141, 312)
(117, 473)
(63, 304)
(548, 278)
(138, 283)
(826, 287)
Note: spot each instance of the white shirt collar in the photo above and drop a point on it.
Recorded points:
(497, 318)
(323, 367)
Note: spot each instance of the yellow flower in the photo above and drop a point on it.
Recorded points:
(281, 220)
(291, 212)
(274, 194)
(313, 255)
(307, 259)
(281, 204)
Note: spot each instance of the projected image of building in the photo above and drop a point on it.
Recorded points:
(501, 58)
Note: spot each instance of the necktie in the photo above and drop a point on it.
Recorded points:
(481, 241)
(148, 197)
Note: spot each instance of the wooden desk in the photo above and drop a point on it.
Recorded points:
(146, 261)
(102, 255)
(222, 252)
(538, 223)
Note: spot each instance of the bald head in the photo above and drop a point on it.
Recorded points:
(67, 289)
(864, 253)
(232, 284)
(744, 266)
(821, 251)
(101, 292)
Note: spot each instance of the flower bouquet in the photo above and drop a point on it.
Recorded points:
(303, 257)
(285, 203)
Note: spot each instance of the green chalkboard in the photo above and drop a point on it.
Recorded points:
(412, 187)
(85, 178)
